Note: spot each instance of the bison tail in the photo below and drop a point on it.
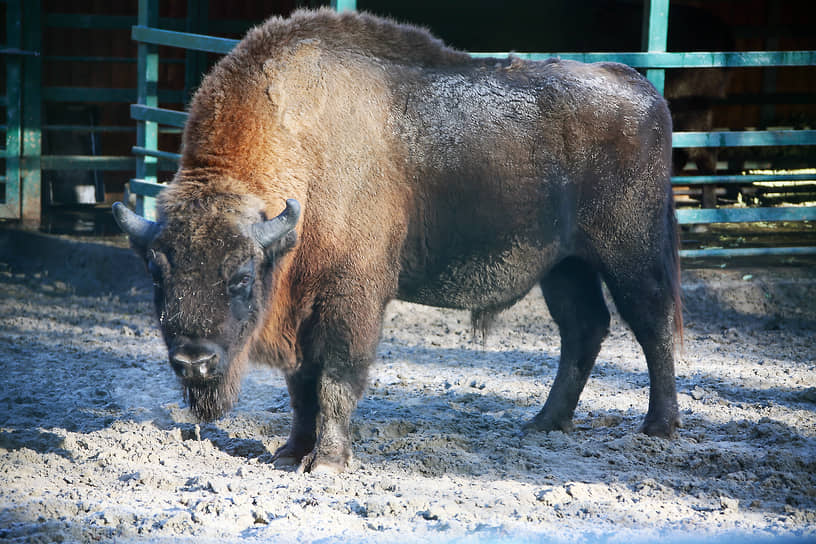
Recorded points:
(481, 321)
(674, 267)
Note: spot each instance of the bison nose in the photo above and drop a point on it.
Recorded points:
(193, 362)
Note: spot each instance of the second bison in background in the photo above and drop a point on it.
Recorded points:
(411, 171)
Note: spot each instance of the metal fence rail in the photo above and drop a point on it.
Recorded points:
(655, 61)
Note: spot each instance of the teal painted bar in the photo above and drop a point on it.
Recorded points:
(87, 162)
(740, 179)
(744, 138)
(159, 115)
(658, 13)
(344, 5)
(145, 188)
(658, 18)
(657, 77)
(686, 216)
(185, 40)
(678, 60)
(747, 252)
(136, 150)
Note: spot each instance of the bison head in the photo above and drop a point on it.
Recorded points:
(212, 271)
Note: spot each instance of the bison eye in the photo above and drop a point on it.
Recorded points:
(240, 282)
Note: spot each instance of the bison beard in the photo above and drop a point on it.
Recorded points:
(209, 401)
(425, 175)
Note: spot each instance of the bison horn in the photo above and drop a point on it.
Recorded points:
(140, 230)
(267, 233)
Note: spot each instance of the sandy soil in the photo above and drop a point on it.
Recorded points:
(95, 444)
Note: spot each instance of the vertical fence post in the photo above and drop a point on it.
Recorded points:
(10, 208)
(344, 5)
(147, 132)
(658, 20)
(31, 176)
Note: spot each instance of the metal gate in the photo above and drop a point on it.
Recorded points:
(655, 60)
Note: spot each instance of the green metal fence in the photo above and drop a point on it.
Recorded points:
(655, 61)
(26, 98)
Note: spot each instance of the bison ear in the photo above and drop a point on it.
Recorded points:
(141, 231)
(278, 233)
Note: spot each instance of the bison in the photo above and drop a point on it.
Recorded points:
(333, 162)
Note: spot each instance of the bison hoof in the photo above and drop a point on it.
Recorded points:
(288, 455)
(546, 424)
(316, 463)
(664, 427)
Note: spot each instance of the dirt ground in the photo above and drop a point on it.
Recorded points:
(96, 445)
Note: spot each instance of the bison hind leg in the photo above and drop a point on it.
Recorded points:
(575, 300)
(649, 303)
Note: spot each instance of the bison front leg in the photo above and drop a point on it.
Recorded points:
(340, 346)
(337, 398)
(302, 385)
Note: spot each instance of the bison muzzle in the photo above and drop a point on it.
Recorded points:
(408, 170)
